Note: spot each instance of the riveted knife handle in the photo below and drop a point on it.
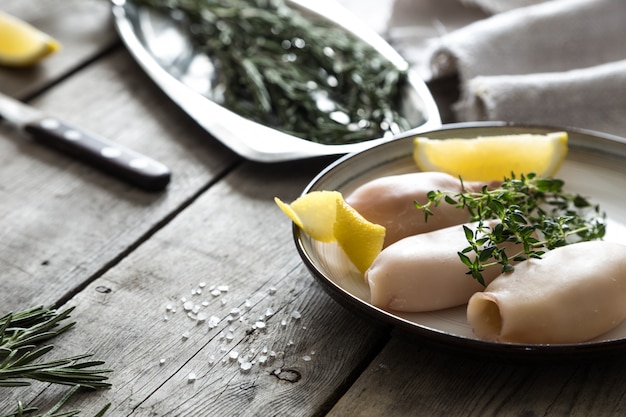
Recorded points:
(108, 156)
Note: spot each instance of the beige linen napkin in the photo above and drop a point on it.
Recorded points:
(560, 62)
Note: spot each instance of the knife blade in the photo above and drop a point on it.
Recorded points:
(86, 146)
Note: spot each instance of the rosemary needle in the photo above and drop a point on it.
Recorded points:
(22, 357)
(306, 77)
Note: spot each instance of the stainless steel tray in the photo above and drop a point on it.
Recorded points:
(165, 55)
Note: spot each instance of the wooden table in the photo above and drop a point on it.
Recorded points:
(126, 259)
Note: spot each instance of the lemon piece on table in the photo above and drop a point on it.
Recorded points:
(360, 239)
(488, 158)
(314, 213)
(22, 44)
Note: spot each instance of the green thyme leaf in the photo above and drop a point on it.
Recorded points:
(533, 213)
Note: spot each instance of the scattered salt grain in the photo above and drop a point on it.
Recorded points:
(168, 307)
(202, 284)
(247, 304)
(213, 321)
(235, 312)
(269, 312)
(191, 377)
(259, 325)
(306, 358)
(201, 317)
(185, 335)
(246, 366)
(263, 359)
(223, 288)
(272, 290)
(162, 361)
(296, 315)
(283, 322)
(188, 305)
(216, 293)
(233, 355)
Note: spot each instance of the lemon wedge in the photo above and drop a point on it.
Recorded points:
(360, 239)
(314, 213)
(492, 157)
(22, 44)
(326, 217)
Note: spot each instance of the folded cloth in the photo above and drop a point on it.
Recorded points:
(557, 62)
(590, 98)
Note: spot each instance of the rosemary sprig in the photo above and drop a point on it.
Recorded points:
(54, 411)
(21, 357)
(533, 213)
(304, 76)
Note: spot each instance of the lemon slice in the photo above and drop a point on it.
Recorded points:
(360, 239)
(492, 157)
(22, 44)
(314, 213)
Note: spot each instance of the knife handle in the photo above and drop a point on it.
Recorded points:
(108, 156)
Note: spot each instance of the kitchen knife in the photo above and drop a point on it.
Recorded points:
(97, 151)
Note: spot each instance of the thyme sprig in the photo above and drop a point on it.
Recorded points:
(304, 76)
(21, 357)
(532, 213)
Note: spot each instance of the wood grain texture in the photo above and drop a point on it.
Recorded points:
(83, 27)
(63, 221)
(232, 235)
(408, 379)
(126, 259)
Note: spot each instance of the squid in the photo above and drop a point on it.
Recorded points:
(572, 294)
(424, 273)
(388, 201)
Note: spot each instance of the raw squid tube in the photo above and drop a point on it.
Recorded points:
(573, 294)
(424, 273)
(388, 201)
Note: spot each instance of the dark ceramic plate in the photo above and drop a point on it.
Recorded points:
(595, 167)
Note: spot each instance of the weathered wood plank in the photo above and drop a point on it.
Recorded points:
(407, 379)
(61, 221)
(232, 235)
(84, 28)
